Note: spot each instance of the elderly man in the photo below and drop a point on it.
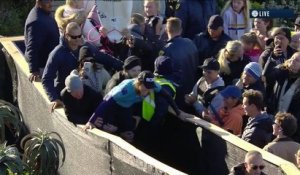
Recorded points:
(62, 60)
(41, 36)
(253, 165)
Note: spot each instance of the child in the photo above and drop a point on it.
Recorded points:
(252, 47)
(236, 18)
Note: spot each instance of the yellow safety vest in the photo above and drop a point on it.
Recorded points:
(149, 100)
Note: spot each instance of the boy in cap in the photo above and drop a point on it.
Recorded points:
(80, 101)
(230, 116)
(206, 87)
(210, 42)
(114, 114)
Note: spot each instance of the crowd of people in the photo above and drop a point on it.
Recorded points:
(225, 68)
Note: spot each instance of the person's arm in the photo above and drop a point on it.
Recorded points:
(226, 23)
(35, 41)
(170, 100)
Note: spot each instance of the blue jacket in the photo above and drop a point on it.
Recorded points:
(41, 36)
(195, 15)
(185, 62)
(59, 65)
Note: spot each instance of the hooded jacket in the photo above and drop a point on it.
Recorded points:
(258, 130)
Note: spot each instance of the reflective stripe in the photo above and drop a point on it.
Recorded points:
(163, 81)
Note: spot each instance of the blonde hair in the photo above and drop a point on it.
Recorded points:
(72, 3)
(231, 49)
(156, 4)
(245, 10)
(174, 25)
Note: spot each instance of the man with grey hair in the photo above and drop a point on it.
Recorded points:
(253, 165)
(41, 36)
(62, 60)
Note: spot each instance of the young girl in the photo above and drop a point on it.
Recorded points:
(252, 47)
(232, 62)
(236, 18)
(262, 27)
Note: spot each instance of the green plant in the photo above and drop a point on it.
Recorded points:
(10, 117)
(42, 152)
(10, 161)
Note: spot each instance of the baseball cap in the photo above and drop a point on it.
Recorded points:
(215, 22)
(147, 78)
(210, 64)
(231, 91)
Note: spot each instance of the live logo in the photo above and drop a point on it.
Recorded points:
(263, 13)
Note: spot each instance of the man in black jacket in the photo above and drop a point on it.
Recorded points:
(41, 36)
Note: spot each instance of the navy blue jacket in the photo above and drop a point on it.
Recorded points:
(185, 62)
(207, 47)
(195, 15)
(41, 36)
(59, 65)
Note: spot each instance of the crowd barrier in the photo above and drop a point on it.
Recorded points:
(199, 147)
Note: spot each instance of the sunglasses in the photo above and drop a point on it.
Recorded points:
(75, 37)
(255, 167)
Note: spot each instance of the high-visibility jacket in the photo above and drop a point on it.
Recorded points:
(148, 107)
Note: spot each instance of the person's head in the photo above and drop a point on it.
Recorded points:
(132, 66)
(85, 55)
(250, 41)
(263, 24)
(293, 64)
(232, 52)
(144, 83)
(297, 155)
(297, 24)
(73, 35)
(173, 27)
(74, 85)
(285, 124)
(139, 20)
(282, 37)
(295, 41)
(45, 5)
(77, 4)
(238, 5)
(253, 102)
(215, 26)
(232, 95)
(254, 163)
(210, 68)
(151, 7)
(163, 66)
(252, 73)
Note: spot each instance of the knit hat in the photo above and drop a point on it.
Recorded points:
(215, 22)
(254, 69)
(231, 91)
(163, 66)
(73, 82)
(147, 78)
(131, 62)
(282, 31)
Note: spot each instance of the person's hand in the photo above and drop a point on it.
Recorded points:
(88, 125)
(207, 115)
(183, 116)
(190, 99)
(98, 122)
(110, 128)
(56, 104)
(130, 42)
(128, 136)
(35, 76)
(103, 31)
(126, 33)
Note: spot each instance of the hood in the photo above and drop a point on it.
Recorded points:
(62, 21)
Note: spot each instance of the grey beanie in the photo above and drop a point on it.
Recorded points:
(73, 82)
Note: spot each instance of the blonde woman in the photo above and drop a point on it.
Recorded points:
(236, 18)
(232, 62)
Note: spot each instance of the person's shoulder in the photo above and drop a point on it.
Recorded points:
(64, 93)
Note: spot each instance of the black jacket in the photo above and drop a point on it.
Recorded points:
(41, 36)
(116, 79)
(207, 47)
(258, 130)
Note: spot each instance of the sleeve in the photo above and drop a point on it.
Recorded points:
(35, 41)
(170, 100)
(256, 137)
(226, 18)
(49, 75)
